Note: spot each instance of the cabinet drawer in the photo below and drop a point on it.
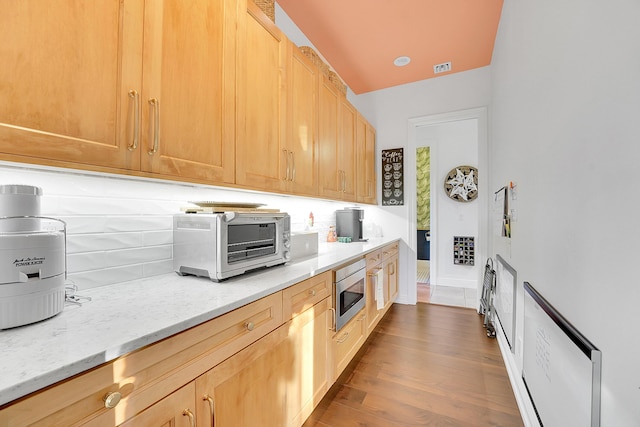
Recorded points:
(390, 250)
(374, 258)
(145, 376)
(347, 342)
(306, 294)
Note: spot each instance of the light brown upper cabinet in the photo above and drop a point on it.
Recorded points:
(188, 93)
(337, 125)
(302, 123)
(366, 156)
(135, 85)
(67, 69)
(262, 157)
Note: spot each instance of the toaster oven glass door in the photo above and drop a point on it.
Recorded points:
(249, 241)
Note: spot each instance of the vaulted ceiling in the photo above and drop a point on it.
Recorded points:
(360, 39)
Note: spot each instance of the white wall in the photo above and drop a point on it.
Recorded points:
(390, 111)
(566, 127)
(454, 144)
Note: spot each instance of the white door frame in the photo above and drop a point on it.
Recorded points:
(482, 245)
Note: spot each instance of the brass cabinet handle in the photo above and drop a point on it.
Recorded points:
(156, 124)
(293, 165)
(333, 323)
(344, 182)
(343, 338)
(210, 400)
(249, 326)
(312, 292)
(286, 159)
(374, 272)
(133, 94)
(112, 399)
(192, 418)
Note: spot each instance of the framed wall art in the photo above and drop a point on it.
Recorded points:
(393, 177)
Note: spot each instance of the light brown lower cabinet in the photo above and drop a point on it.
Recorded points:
(175, 410)
(268, 363)
(390, 267)
(249, 388)
(347, 341)
(307, 375)
(385, 260)
(276, 381)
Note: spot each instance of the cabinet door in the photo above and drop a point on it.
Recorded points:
(392, 274)
(366, 173)
(67, 69)
(347, 342)
(302, 125)
(176, 410)
(249, 388)
(188, 95)
(347, 148)
(373, 314)
(308, 370)
(262, 159)
(329, 169)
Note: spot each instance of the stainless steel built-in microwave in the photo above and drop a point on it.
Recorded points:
(223, 245)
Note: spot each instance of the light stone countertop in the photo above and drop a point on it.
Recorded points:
(125, 317)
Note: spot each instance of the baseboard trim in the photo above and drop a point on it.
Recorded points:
(525, 405)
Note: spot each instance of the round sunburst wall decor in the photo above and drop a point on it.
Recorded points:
(461, 183)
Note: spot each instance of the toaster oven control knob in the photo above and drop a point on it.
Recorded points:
(287, 255)
(112, 399)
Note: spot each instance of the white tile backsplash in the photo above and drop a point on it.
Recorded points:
(105, 241)
(85, 261)
(120, 228)
(138, 255)
(138, 223)
(106, 276)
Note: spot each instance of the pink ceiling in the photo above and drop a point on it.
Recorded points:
(361, 38)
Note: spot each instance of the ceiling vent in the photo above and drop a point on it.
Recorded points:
(442, 68)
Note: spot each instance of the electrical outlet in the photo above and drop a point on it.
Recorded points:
(442, 68)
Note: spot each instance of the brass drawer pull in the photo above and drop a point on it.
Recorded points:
(312, 292)
(286, 170)
(343, 338)
(293, 165)
(156, 125)
(112, 399)
(133, 94)
(249, 326)
(192, 418)
(210, 400)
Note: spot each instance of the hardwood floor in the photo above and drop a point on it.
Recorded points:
(423, 365)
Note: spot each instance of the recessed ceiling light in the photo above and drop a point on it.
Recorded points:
(401, 61)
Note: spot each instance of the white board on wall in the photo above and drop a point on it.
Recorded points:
(561, 367)
(505, 298)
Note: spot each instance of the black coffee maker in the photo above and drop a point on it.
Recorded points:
(349, 223)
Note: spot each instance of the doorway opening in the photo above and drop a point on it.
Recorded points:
(444, 136)
(423, 223)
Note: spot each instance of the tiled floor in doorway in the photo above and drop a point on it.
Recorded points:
(444, 295)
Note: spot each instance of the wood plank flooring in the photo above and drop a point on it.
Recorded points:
(423, 365)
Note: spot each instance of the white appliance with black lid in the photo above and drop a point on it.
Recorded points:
(32, 258)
